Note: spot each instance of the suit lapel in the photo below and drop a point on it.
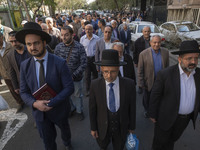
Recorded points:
(49, 68)
(150, 57)
(163, 57)
(103, 94)
(32, 75)
(197, 81)
(176, 81)
(121, 92)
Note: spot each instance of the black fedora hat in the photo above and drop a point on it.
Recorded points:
(187, 47)
(32, 28)
(110, 57)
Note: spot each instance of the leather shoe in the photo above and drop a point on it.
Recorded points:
(72, 113)
(69, 147)
(19, 108)
(146, 115)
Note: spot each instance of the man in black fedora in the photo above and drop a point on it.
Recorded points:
(43, 68)
(175, 97)
(112, 103)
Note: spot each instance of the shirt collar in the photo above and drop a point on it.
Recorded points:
(153, 51)
(115, 82)
(182, 72)
(45, 57)
(91, 38)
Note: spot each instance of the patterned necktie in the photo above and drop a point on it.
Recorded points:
(41, 73)
(111, 98)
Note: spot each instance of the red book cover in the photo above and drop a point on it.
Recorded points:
(45, 92)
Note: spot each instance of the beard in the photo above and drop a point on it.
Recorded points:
(39, 54)
(68, 41)
(188, 69)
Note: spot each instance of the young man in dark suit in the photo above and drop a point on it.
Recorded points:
(175, 97)
(43, 68)
(112, 104)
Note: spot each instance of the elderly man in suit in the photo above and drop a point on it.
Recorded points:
(125, 37)
(16, 57)
(151, 60)
(141, 44)
(175, 97)
(112, 104)
(43, 68)
(127, 70)
(104, 43)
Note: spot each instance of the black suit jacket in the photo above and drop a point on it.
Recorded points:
(128, 69)
(165, 97)
(138, 48)
(123, 39)
(98, 106)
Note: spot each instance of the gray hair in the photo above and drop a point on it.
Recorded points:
(151, 38)
(118, 44)
(113, 21)
(146, 27)
(49, 18)
(125, 24)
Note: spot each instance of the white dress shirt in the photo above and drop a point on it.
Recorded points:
(108, 45)
(116, 92)
(188, 92)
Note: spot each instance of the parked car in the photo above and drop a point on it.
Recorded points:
(178, 31)
(137, 26)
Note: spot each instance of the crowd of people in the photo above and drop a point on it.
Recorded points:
(62, 51)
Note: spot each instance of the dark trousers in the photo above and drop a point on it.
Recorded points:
(16, 96)
(146, 98)
(165, 139)
(90, 69)
(113, 133)
(48, 132)
(117, 141)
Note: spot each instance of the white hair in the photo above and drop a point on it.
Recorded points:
(49, 18)
(118, 44)
(151, 38)
(113, 21)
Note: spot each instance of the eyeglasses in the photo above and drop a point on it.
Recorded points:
(191, 58)
(109, 72)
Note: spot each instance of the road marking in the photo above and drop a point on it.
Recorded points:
(10, 115)
(6, 91)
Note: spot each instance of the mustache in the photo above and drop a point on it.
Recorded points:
(192, 65)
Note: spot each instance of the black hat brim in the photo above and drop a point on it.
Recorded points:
(99, 63)
(185, 52)
(20, 35)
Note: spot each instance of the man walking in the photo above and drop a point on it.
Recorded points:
(75, 55)
(89, 43)
(175, 97)
(16, 57)
(112, 104)
(151, 60)
(43, 68)
(126, 70)
(5, 48)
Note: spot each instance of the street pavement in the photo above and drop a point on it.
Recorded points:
(17, 131)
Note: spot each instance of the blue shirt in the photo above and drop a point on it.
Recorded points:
(157, 61)
(37, 67)
(89, 45)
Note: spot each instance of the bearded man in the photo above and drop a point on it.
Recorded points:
(175, 97)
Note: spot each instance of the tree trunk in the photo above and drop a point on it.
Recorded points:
(26, 9)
